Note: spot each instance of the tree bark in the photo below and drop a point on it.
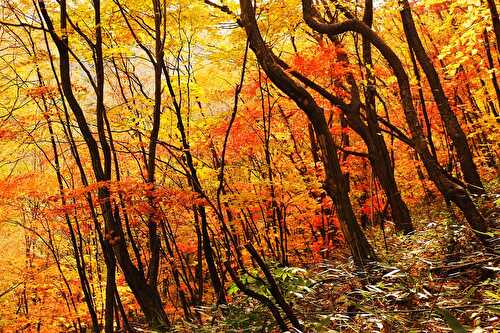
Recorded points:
(455, 131)
(335, 184)
(445, 183)
(495, 20)
(147, 297)
(377, 149)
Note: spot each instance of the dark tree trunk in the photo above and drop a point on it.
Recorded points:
(495, 20)
(382, 166)
(209, 258)
(370, 132)
(450, 120)
(110, 289)
(147, 297)
(335, 183)
(491, 66)
(445, 183)
(377, 149)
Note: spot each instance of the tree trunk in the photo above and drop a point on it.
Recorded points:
(335, 184)
(147, 296)
(450, 120)
(377, 149)
(448, 187)
(495, 20)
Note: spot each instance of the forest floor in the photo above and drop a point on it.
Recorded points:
(438, 279)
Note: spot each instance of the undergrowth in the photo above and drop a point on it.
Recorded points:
(438, 279)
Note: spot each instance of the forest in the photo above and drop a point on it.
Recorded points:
(249, 166)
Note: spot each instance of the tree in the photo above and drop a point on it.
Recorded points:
(335, 182)
(194, 164)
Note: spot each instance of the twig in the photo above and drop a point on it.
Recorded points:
(443, 307)
(452, 307)
(11, 288)
(463, 265)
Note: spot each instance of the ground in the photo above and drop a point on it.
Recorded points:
(439, 279)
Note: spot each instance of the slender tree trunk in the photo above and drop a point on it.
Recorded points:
(147, 297)
(209, 257)
(491, 66)
(154, 240)
(495, 20)
(450, 188)
(335, 182)
(423, 105)
(377, 149)
(110, 291)
(450, 120)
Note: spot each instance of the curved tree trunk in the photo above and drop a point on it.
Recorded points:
(147, 297)
(455, 131)
(382, 166)
(370, 132)
(335, 184)
(384, 170)
(377, 149)
(450, 189)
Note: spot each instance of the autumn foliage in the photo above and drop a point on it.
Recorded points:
(159, 158)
